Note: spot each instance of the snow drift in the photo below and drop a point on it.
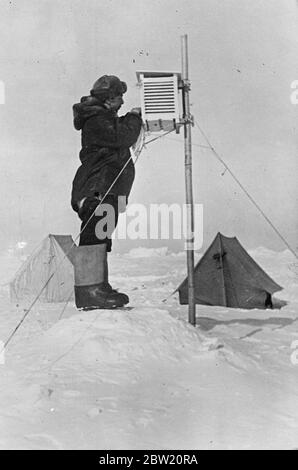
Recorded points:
(144, 378)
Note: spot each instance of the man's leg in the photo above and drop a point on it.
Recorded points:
(92, 289)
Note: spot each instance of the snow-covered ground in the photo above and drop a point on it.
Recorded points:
(144, 378)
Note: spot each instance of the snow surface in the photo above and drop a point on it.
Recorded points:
(144, 378)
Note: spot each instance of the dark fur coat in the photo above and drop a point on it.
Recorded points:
(106, 139)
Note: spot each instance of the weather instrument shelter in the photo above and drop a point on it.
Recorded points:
(160, 100)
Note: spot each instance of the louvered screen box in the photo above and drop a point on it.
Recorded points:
(159, 99)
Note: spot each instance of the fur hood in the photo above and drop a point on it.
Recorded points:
(89, 106)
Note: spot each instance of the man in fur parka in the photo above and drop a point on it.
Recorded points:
(106, 139)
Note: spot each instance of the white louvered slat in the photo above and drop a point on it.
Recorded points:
(160, 98)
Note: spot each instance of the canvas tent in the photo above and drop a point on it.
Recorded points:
(36, 270)
(227, 275)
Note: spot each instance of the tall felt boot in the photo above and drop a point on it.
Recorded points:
(124, 297)
(90, 287)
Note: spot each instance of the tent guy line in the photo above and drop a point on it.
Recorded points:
(252, 200)
(124, 166)
(65, 305)
(27, 311)
(250, 197)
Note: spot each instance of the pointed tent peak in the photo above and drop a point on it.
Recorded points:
(60, 238)
(57, 236)
(227, 242)
(224, 237)
(66, 243)
(219, 242)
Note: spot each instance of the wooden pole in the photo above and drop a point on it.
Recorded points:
(188, 182)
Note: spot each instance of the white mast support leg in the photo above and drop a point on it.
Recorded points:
(188, 182)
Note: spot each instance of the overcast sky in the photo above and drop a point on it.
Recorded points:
(243, 58)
